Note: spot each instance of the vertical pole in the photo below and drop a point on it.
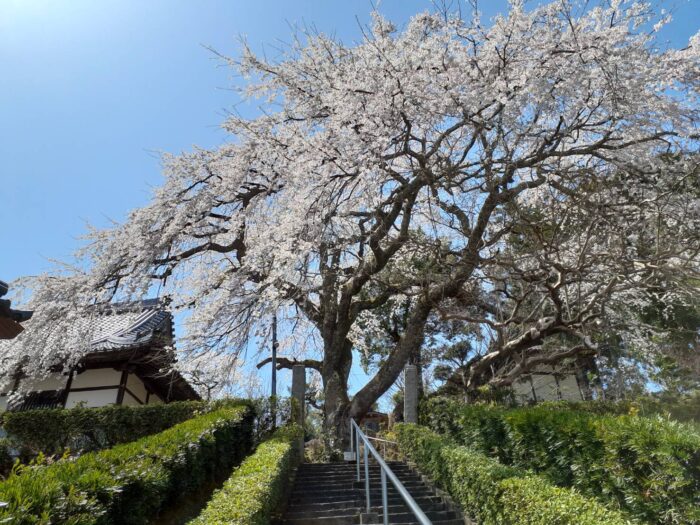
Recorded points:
(532, 387)
(274, 355)
(385, 499)
(273, 388)
(352, 441)
(410, 394)
(357, 454)
(299, 397)
(367, 477)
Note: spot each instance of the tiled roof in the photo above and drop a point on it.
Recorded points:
(131, 325)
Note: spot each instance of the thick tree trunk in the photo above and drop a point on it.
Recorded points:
(411, 341)
(338, 408)
(335, 373)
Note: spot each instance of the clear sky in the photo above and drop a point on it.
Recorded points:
(92, 90)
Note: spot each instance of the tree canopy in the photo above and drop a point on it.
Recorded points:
(535, 176)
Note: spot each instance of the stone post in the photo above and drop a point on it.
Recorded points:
(410, 394)
(299, 400)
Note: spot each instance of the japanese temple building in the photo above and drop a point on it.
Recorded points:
(10, 319)
(129, 363)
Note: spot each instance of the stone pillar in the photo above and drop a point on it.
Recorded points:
(299, 400)
(410, 394)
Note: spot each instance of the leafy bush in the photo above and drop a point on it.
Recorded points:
(647, 467)
(680, 408)
(493, 493)
(130, 483)
(257, 487)
(6, 459)
(85, 429)
(270, 413)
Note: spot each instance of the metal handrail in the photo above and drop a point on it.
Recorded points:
(383, 443)
(371, 438)
(356, 435)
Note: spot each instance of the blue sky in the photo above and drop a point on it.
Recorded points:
(91, 91)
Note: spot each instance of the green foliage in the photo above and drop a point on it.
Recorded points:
(129, 483)
(5, 455)
(647, 467)
(87, 429)
(255, 490)
(495, 494)
(684, 408)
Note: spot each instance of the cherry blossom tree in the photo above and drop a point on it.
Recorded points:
(400, 165)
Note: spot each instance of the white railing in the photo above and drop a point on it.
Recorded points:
(358, 437)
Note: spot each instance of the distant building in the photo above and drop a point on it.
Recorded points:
(10, 319)
(565, 381)
(125, 366)
(374, 421)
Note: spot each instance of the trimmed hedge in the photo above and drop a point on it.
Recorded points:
(130, 483)
(680, 408)
(494, 494)
(85, 429)
(646, 467)
(255, 490)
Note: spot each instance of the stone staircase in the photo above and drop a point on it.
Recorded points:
(329, 494)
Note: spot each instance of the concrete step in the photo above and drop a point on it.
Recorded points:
(331, 510)
(349, 519)
(351, 474)
(313, 486)
(359, 502)
(441, 522)
(329, 494)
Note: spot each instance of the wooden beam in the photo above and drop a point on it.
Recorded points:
(66, 390)
(122, 387)
(126, 389)
(95, 388)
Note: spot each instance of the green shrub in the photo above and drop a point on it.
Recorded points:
(86, 429)
(6, 459)
(495, 494)
(647, 467)
(129, 483)
(255, 490)
(680, 408)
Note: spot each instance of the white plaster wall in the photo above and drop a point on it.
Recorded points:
(523, 392)
(569, 389)
(95, 398)
(545, 387)
(129, 400)
(155, 400)
(96, 377)
(135, 384)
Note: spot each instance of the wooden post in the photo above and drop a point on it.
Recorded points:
(122, 386)
(273, 393)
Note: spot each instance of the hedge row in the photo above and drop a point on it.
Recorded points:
(132, 482)
(255, 490)
(684, 409)
(494, 494)
(85, 429)
(649, 468)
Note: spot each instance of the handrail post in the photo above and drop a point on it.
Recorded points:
(357, 453)
(367, 475)
(385, 499)
(352, 446)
